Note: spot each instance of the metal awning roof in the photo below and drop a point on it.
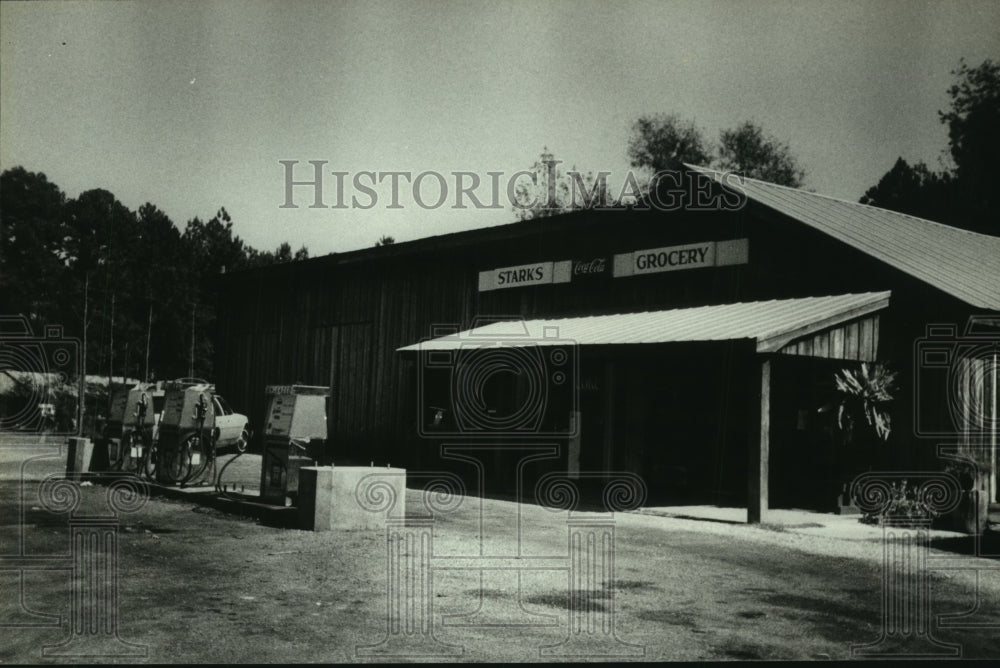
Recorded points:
(771, 324)
(961, 263)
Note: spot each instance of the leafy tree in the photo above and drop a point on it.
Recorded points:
(30, 245)
(283, 253)
(965, 195)
(385, 240)
(974, 140)
(122, 281)
(101, 235)
(663, 141)
(256, 258)
(159, 294)
(747, 150)
(211, 249)
(212, 246)
(914, 190)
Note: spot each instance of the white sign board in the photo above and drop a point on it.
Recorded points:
(675, 258)
(538, 273)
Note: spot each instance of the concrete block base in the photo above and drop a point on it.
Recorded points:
(81, 450)
(328, 499)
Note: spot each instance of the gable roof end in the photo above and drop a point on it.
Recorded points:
(964, 264)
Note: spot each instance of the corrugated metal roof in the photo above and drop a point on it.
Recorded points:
(963, 264)
(769, 323)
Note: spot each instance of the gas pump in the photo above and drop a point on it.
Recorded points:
(112, 434)
(186, 435)
(138, 431)
(294, 436)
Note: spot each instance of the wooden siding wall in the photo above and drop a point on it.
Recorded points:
(338, 320)
(339, 329)
(854, 340)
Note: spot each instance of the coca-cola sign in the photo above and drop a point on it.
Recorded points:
(586, 268)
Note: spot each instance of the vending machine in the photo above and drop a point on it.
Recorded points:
(294, 436)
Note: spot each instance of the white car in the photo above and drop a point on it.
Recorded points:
(232, 427)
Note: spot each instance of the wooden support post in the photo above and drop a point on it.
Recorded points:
(993, 370)
(758, 459)
(608, 456)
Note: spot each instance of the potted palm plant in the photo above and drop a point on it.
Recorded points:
(863, 422)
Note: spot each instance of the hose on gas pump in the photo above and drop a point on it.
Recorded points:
(137, 438)
(147, 463)
(201, 412)
(240, 450)
(177, 461)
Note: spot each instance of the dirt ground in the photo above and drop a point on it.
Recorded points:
(198, 585)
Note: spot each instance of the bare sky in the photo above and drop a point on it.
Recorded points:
(191, 105)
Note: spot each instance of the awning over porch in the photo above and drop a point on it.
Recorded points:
(793, 326)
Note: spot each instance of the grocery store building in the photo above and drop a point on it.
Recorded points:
(694, 347)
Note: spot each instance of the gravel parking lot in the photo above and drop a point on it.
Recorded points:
(198, 585)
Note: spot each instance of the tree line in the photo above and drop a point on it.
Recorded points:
(139, 292)
(963, 192)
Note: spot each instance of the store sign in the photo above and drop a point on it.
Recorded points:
(673, 258)
(538, 273)
(652, 261)
(676, 258)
